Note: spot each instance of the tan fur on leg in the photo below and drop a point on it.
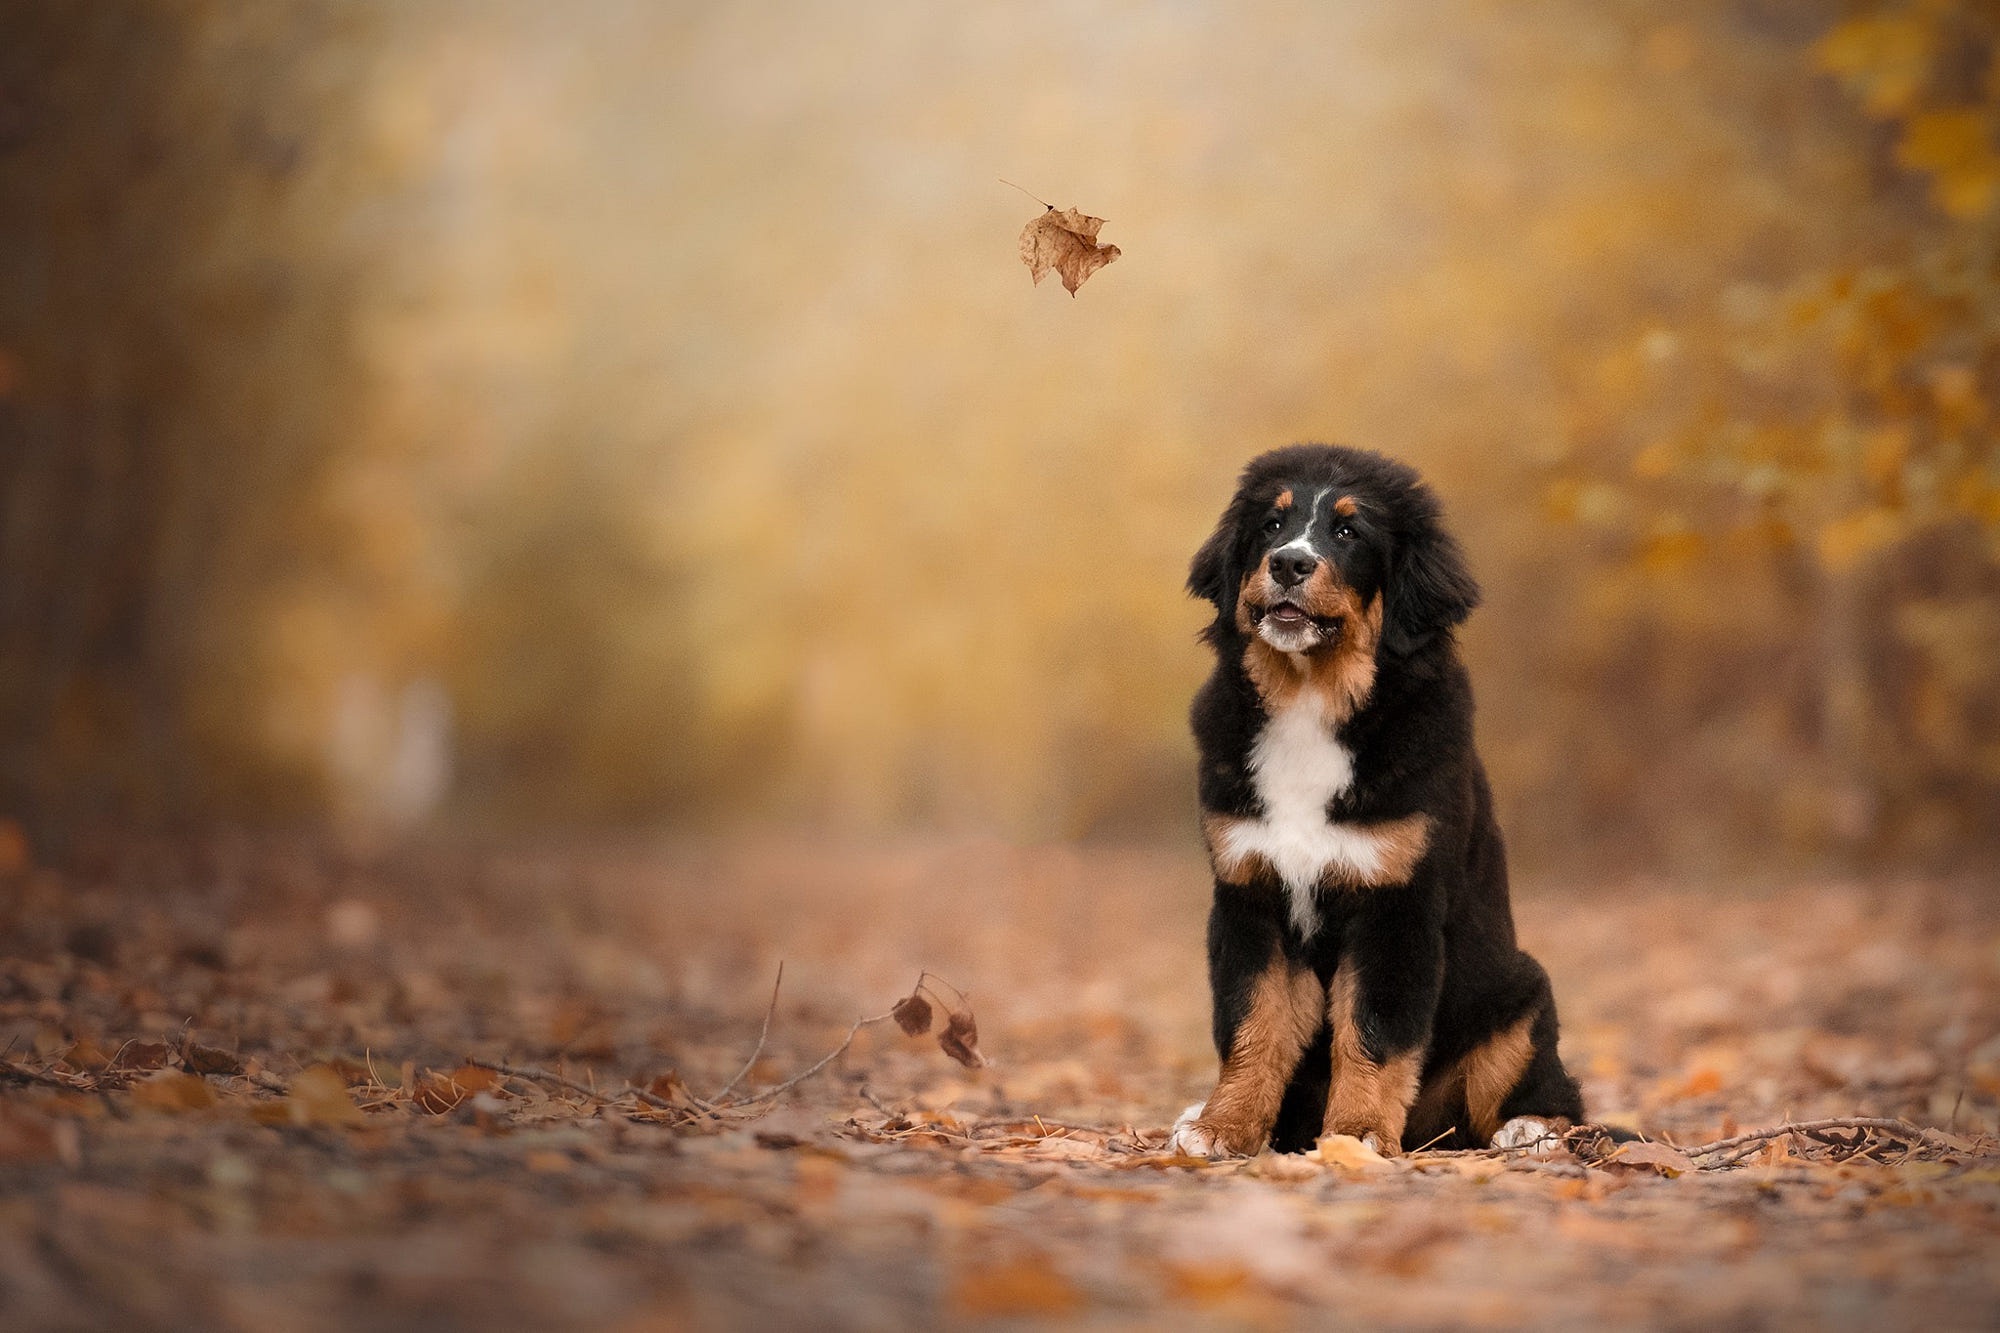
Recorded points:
(1369, 1099)
(1493, 1070)
(1284, 1014)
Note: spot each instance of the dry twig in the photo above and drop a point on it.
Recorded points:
(536, 1073)
(730, 1086)
(798, 1078)
(1742, 1145)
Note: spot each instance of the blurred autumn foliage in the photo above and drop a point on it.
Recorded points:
(623, 413)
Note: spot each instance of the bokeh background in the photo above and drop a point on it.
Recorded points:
(516, 418)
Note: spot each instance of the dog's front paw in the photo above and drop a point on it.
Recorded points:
(1525, 1131)
(1194, 1137)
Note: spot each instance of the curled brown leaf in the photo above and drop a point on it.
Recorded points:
(912, 1014)
(1065, 240)
(960, 1039)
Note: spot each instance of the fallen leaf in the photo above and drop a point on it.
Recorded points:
(198, 1059)
(913, 1014)
(1655, 1157)
(1206, 1283)
(319, 1097)
(172, 1090)
(15, 853)
(1351, 1154)
(29, 1138)
(960, 1039)
(1066, 241)
(440, 1093)
(142, 1055)
(1014, 1287)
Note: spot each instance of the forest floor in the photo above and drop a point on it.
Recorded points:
(238, 1092)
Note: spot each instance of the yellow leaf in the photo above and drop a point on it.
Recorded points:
(172, 1090)
(1349, 1153)
(1884, 60)
(1014, 1287)
(1883, 454)
(319, 1097)
(1846, 541)
(1956, 147)
(1656, 460)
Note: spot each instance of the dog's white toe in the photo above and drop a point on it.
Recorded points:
(1189, 1138)
(1523, 1131)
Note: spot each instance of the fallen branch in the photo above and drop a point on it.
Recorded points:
(825, 1060)
(535, 1073)
(959, 1040)
(1742, 1145)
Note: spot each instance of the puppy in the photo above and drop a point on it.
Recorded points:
(1361, 947)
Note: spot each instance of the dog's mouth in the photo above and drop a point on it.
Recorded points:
(1286, 618)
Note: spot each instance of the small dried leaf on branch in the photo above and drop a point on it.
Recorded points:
(960, 1039)
(912, 1014)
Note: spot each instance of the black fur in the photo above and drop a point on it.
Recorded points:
(1435, 960)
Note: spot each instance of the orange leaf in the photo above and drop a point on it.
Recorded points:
(1015, 1287)
(172, 1090)
(319, 1097)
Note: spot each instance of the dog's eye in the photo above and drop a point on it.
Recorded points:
(1274, 522)
(1345, 532)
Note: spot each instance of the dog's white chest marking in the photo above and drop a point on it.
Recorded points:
(1298, 768)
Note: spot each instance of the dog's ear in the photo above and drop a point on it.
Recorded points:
(1430, 590)
(1213, 576)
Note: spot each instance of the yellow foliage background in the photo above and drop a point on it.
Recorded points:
(629, 413)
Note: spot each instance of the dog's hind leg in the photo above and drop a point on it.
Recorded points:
(1517, 1091)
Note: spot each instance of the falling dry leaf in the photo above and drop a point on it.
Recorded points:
(1066, 241)
(960, 1039)
(913, 1015)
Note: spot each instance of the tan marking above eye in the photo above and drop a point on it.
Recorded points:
(1284, 500)
(1345, 506)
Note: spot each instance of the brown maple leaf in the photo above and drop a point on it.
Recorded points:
(1066, 241)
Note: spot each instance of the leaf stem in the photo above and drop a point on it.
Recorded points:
(1030, 193)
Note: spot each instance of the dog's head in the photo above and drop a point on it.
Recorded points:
(1318, 543)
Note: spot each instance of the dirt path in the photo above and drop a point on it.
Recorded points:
(237, 1094)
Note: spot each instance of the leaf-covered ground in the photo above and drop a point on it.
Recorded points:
(240, 1093)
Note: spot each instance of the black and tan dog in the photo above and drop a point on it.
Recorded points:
(1361, 947)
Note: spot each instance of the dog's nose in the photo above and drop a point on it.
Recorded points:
(1291, 568)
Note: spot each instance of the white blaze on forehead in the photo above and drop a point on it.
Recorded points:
(1304, 541)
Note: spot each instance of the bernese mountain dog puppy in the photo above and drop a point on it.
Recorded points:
(1361, 946)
